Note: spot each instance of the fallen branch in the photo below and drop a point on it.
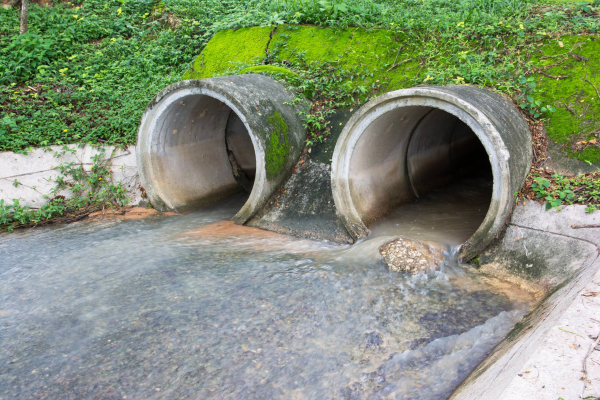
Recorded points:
(80, 216)
(590, 82)
(585, 226)
(400, 63)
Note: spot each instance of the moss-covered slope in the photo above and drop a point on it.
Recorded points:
(566, 69)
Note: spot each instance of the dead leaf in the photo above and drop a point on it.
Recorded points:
(591, 294)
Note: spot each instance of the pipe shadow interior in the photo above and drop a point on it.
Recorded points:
(419, 166)
(203, 153)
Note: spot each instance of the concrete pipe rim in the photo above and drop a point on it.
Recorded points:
(502, 200)
(147, 134)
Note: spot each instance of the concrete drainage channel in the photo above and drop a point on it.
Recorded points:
(399, 146)
(201, 141)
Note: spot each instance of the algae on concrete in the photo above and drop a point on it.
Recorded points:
(571, 82)
(278, 147)
(228, 47)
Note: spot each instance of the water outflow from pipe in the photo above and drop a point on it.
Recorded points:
(197, 307)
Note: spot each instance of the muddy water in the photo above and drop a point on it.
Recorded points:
(193, 307)
(447, 216)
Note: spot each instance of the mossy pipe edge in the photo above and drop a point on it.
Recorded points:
(501, 129)
(181, 152)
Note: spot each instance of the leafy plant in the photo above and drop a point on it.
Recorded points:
(90, 190)
(557, 190)
(24, 56)
(529, 103)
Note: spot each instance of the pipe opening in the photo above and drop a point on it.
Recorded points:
(202, 154)
(407, 143)
(427, 174)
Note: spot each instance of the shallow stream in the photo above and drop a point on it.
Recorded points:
(195, 307)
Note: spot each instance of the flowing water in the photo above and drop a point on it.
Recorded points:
(194, 307)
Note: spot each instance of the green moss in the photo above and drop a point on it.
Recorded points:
(246, 45)
(278, 146)
(370, 54)
(352, 47)
(268, 69)
(576, 97)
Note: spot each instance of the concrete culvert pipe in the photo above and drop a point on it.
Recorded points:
(200, 141)
(406, 143)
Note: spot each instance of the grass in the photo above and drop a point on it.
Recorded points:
(85, 71)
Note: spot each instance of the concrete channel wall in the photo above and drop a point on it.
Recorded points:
(543, 357)
(32, 176)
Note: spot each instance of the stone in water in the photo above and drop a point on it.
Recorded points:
(408, 255)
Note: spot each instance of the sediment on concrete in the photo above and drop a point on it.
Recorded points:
(404, 143)
(201, 141)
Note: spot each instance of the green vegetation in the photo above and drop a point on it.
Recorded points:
(269, 69)
(557, 190)
(86, 70)
(92, 190)
(510, 50)
(85, 73)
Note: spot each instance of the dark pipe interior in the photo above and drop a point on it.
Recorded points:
(241, 152)
(442, 149)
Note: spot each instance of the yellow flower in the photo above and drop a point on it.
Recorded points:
(99, 179)
(92, 167)
(65, 130)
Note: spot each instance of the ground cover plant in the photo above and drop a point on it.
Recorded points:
(86, 70)
(90, 190)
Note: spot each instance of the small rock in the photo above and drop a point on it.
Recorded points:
(374, 339)
(408, 255)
